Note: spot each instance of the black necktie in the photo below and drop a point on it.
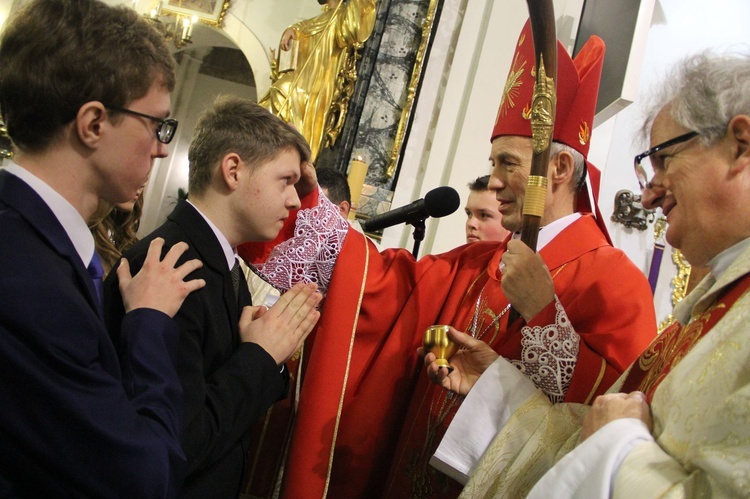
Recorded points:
(97, 272)
(236, 272)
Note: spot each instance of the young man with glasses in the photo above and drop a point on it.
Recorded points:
(676, 424)
(76, 422)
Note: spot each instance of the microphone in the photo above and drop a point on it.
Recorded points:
(439, 202)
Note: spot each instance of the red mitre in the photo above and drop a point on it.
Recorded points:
(577, 88)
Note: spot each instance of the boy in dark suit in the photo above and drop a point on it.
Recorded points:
(245, 168)
(85, 94)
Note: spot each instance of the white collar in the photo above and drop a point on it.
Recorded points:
(552, 229)
(229, 253)
(71, 220)
(721, 262)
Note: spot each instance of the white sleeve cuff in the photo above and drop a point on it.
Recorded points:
(589, 469)
(496, 395)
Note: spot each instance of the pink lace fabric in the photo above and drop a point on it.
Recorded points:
(549, 354)
(310, 255)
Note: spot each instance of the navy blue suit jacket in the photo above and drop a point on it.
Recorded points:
(228, 384)
(72, 422)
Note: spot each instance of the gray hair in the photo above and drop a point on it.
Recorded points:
(579, 163)
(705, 91)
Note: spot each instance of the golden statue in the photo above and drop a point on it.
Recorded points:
(313, 91)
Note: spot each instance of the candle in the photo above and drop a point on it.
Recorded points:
(356, 179)
(193, 20)
(186, 28)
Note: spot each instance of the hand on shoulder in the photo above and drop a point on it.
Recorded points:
(159, 285)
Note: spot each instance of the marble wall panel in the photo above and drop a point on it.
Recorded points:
(378, 101)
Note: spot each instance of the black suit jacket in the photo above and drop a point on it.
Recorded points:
(228, 384)
(72, 424)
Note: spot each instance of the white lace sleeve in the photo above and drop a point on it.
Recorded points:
(309, 256)
(549, 354)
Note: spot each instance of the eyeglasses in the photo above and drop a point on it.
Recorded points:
(644, 170)
(165, 129)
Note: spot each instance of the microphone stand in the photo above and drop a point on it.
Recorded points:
(418, 235)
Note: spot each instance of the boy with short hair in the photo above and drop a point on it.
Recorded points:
(245, 171)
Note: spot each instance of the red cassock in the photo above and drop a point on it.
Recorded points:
(368, 420)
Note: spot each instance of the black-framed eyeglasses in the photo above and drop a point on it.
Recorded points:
(164, 130)
(644, 170)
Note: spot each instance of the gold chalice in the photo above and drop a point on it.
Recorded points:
(437, 341)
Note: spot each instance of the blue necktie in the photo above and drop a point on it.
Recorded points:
(96, 271)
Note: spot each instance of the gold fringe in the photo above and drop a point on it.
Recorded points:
(348, 364)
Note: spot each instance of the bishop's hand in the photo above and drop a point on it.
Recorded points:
(471, 360)
(526, 280)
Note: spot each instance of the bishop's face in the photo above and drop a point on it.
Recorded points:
(511, 163)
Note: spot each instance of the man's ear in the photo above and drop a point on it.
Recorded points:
(561, 168)
(230, 170)
(89, 123)
(344, 208)
(739, 133)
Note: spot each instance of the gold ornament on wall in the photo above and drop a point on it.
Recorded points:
(175, 19)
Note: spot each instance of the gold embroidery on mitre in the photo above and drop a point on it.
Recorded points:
(512, 86)
(542, 109)
(584, 133)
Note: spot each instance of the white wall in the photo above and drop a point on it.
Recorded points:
(4, 12)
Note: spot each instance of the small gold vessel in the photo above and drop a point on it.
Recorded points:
(437, 341)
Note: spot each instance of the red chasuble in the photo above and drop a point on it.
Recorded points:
(361, 367)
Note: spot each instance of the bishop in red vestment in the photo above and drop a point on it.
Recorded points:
(586, 309)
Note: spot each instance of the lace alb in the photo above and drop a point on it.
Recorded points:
(310, 255)
(549, 354)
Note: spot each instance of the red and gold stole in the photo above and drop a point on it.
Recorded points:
(671, 346)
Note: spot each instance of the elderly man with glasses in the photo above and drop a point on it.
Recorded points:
(677, 423)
